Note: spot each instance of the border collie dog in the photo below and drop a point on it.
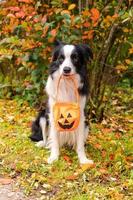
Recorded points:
(66, 60)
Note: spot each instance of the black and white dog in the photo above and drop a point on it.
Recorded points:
(66, 60)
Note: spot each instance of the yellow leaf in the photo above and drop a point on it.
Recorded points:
(65, 12)
(131, 50)
(84, 167)
(121, 67)
(125, 30)
(128, 61)
(72, 6)
(86, 13)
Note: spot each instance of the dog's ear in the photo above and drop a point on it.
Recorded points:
(87, 52)
(57, 46)
(58, 43)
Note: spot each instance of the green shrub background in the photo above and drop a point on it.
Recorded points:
(28, 29)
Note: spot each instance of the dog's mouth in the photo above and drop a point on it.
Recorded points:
(67, 74)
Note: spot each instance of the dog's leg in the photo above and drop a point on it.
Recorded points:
(80, 145)
(42, 123)
(54, 145)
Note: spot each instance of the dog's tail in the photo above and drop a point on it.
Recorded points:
(37, 134)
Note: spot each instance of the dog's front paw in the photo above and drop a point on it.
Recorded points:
(52, 158)
(41, 144)
(86, 161)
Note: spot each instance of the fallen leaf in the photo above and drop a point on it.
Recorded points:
(71, 178)
(97, 146)
(5, 181)
(112, 156)
(67, 158)
(106, 130)
(103, 170)
(103, 153)
(84, 167)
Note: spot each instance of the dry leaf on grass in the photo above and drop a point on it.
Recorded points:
(5, 181)
(84, 167)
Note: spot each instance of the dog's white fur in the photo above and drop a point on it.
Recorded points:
(56, 139)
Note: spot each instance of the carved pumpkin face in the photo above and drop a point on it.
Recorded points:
(66, 122)
(66, 116)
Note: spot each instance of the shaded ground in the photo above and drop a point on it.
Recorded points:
(109, 145)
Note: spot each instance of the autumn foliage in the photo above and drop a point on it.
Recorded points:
(28, 29)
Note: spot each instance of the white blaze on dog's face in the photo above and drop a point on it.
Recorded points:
(66, 66)
(70, 59)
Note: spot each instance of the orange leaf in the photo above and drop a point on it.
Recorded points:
(97, 146)
(65, 12)
(112, 156)
(25, 1)
(72, 6)
(14, 8)
(85, 37)
(106, 130)
(117, 135)
(86, 13)
(65, 1)
(20, 14)
(90, 34)
(103, 170)
(51, 39)
(86, 24)
(94, 14)
(115, 16)
(67, 158)
(71, 178)
(129, 158)
(53, 32)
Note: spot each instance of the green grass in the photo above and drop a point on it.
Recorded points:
(109, 147)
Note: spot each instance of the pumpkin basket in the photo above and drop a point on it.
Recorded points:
(67, 114)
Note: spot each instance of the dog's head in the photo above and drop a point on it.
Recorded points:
(70, 59)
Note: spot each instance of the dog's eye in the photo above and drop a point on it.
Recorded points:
(61, 59)
(74, 57)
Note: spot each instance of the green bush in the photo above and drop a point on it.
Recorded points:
(27, 32)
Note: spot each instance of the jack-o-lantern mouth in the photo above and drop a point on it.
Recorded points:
(66, 126)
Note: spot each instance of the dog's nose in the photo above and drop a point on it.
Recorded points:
(67, 70)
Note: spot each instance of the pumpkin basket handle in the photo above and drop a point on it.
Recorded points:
(72, 78)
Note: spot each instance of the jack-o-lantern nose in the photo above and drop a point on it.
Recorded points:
(66, 121)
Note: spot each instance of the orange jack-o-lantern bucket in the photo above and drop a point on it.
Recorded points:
(67, 114)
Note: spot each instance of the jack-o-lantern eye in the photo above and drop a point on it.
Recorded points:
(61, 116)
(69, 115)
